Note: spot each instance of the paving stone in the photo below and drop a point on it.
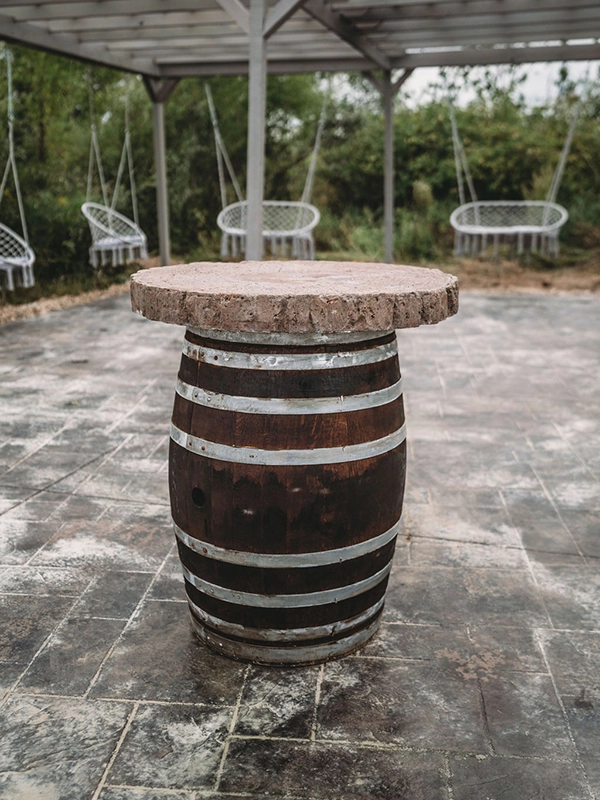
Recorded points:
(113, 594)
(63, 581)
(135, 793)
(571, 595)
(20, 539)
(51, 748)
(584, 722)
(539, 525)
(410, 704)
(525, 718)
(72, 657)
(26, 622)
(173, 747)
(574, 659)
(278, 702)
(500, 650)
(37, 508)
(169, 585)
(160, 658)
(449, 596)
(107, 545)
(515, 779)
(467, 525)
(584, 526)
(425, 551)
(331, 772)
(417, 642)
(9, 674)
(11, 496)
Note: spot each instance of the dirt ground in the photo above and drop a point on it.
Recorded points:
(502, 276)
(511, 275)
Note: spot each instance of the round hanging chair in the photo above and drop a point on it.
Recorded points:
(16, 256)
(115, 238)
(530, 224)
(16, 259)
(286, 224)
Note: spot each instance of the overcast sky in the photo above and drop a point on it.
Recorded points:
(539, 87)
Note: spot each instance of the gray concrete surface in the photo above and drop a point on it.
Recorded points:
(484, 683)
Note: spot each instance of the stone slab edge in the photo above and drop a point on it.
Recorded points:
(297, 313)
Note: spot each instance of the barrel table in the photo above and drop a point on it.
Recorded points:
(288, 445)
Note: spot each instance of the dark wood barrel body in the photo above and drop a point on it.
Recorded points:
(287, 467)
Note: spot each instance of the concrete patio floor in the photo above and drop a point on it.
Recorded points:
(484, 682)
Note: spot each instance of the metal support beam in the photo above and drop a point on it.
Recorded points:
(389, 90)
(159, 92)
(257, 101)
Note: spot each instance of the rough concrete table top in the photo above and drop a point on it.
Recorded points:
(295, 296)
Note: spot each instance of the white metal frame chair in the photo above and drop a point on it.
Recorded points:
(287, 228)
(531, 225)
(16, 256)
(16, 259)
(287, 224)
(528, 225)
(115, 238)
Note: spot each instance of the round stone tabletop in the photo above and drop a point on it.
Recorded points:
(295, 296)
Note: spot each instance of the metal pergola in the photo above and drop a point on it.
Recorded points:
(166, 40)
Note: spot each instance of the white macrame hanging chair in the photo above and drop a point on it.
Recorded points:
(116, 239)
(529, 225)
(287, 225)
(16, 256)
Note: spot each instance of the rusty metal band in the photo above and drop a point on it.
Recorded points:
(289, 405)
(297, 339)
(304, 600)
(286, 560)
(317, 455)
(284, 634)
(290, 361)
(286, 655)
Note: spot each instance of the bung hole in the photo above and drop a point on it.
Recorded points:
(198, 498)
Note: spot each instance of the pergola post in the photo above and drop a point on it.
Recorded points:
(159, 92)
(257, 96)
(388, 90)
(388, 167)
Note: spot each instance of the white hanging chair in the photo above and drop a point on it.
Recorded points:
(16, 256)
(529, 225)
(116, 239)
(287, 224)
(16, 259)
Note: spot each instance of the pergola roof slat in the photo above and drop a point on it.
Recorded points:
(176, 38)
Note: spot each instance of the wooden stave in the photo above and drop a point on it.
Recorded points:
(373, 521)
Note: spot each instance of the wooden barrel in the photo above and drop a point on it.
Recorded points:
(287, 466)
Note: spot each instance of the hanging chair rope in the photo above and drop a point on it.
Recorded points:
(462, 166)
(222, 153)
(11, 164)
(460, 160)
(95, 157)
(126, 158)
(310, 178)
